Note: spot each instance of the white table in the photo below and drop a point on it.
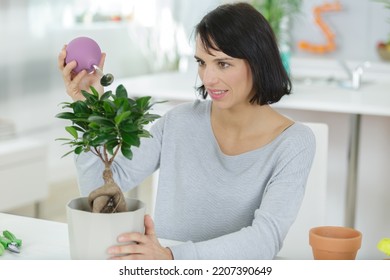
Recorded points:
(41, 239)
(372, 98)
(23, 165)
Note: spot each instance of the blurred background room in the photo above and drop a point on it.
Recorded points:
(145, 37)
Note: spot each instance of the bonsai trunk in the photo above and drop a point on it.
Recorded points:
(108, 198)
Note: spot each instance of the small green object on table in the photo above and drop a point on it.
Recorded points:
(384, 246)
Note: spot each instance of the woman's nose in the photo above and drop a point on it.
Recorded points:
(209, 77)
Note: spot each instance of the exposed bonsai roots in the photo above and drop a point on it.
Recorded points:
(108, 198)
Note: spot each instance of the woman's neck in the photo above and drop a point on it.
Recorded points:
(241, 118)
(247, 128)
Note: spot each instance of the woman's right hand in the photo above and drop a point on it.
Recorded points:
(74, 83)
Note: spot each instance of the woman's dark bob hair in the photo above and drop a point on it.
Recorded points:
(240, 31)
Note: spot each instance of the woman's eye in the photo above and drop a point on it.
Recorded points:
(223, 64)
(200, 62)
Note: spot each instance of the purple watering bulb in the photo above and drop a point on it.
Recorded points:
(86, 52)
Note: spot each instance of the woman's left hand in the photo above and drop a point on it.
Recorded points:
(145, 247)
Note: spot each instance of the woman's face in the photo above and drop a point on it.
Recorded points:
(228, 80)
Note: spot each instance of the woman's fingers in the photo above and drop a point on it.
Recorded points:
(66, 69)
(102, 60)
(67, 73)
(133, 236)
(73, 85)
(140, 246)
(149, 226)
(128, 249)
(61, 58)
(138, 242)
(136, 245)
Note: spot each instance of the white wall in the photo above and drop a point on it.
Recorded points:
(358, 27)
(33, 32)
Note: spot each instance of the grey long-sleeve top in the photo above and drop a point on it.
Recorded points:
(220, 206)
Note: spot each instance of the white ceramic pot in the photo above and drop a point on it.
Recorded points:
(90, 234)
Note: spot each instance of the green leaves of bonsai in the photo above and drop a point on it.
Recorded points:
(106, 125)
(112, 121)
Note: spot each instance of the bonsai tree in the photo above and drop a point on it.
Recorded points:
(107, 125)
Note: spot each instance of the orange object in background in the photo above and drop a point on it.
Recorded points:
(330, 44)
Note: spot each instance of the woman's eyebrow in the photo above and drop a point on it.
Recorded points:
(223, 58)
(216, 58)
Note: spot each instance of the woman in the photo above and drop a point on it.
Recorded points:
(232, 169)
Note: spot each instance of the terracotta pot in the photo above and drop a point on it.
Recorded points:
(90, 234)
(335, 242)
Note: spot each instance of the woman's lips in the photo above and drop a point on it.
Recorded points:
(217, 93)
